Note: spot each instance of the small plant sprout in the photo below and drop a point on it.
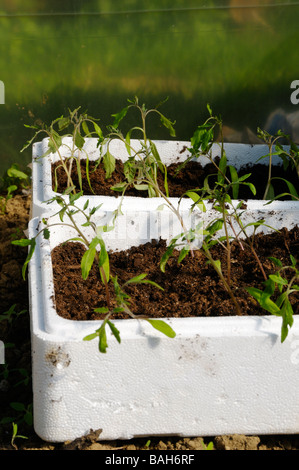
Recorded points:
(227, 227)
(80, 125)
(141, 168)
(95, 252)
(203, 139)
(15, 436)
(275, 298)
(13, 180)
(290, 158)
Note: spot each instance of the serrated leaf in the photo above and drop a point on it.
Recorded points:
(63, 122)
(54, 142)
(119, 116)
(276, 261)
(15, 173)
(168, 124)
(278, 279)
(114, 331)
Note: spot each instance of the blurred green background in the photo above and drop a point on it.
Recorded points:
(240, 56)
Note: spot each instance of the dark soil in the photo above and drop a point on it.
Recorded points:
(191, 288)
(15, 375)
(192, 176)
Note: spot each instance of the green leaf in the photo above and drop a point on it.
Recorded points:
(163, 327)
(165, 257)
(136, 279)
(217, 265)
(85, 128)
(234, 177)
(22, 242)
(222, 167)
(46, 233)
(270, 193)
(140, 279)
(104, 262)
(183, 253)
(79, 140)
(63, 122)
(101, 310)
(264, 300)
(88, 258)
(148, 281)
(119, 116)
(114, 331)
(141, 187)
(119, 186)
(196, 198)
(278, 279)
(276, 261)
(291, 188)
(55, 142)
(25, 242)
(13, 172)
(287, 315)
(168, 124)
(91, 336)
(103, 345)
(109, 164)
(98, 130)
(293, 260)
(17, 406)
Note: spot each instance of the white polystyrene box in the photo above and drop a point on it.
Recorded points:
(217, 376)
(238, 155)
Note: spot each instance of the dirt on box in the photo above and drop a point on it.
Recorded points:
(190, 177)
(15, 374)
(190, 288)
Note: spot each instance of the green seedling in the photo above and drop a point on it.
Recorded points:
(95, 252)
(143, 164)
(25, 412)
(11, 314)
(13, 180)
(203, 139)
(227, 227)
(290, 158)
(80, 125)
(15, 436)
(275, 298)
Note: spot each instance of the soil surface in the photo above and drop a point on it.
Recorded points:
(15, 375)
(190, 288)
(192, 176)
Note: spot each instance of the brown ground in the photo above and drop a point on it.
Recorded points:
(15, 379)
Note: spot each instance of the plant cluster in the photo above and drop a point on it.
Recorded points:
(95, 252)
(140, 170)
(14, 179)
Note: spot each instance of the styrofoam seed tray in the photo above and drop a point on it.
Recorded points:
(238, 155)
(217, 376)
